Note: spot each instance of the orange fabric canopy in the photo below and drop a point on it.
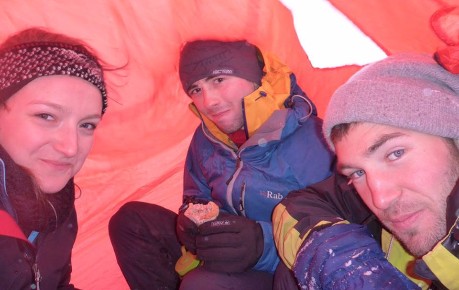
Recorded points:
(141, 144)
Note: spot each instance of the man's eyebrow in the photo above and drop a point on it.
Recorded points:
(206, 79)
(192, 87)
(381, 140)
(341, 167)
(377, 144)
(210, 77)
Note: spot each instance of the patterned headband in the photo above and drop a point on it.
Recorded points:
(21, 64)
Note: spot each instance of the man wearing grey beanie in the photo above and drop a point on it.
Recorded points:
(393, 205)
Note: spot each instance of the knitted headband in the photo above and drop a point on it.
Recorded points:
(21, 64)
(408, 91)
(203, 58)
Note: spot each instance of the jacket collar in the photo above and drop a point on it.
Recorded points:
(452, 206)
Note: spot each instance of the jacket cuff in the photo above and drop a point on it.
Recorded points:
(269, 259)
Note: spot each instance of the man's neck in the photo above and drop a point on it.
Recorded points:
(238, 137)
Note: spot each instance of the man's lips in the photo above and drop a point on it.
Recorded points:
(405, 221)
(218, 114)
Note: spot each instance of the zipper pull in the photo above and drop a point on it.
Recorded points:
(37, 274)
(241, 199)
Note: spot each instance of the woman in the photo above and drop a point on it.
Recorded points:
(52, 97)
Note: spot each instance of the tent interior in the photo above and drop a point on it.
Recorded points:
(142, 141)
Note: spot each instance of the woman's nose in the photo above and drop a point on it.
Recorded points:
(66, 141)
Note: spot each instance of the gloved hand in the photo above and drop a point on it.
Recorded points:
(187, 231)
(230, 243)
(346, 257)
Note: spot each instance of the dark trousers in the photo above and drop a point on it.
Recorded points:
(146, 247)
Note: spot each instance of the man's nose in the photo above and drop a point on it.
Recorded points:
(211, 97)
(383, 189)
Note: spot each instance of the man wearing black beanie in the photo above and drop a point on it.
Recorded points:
(259, 139)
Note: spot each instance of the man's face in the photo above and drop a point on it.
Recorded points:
(219, 98)
(404, 177)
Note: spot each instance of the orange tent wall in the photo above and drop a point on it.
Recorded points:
(141, 144)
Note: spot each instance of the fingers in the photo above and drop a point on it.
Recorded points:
(186, 231)
(218, 227)
(225, 223)
(220, 240)
(226, 254)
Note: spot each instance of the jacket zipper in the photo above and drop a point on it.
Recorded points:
(230, 181)
(37, 275)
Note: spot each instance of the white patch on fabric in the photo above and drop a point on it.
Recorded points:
(367, 273)
(358, 254)
(222, 71)
(428, 92)
(262, 142)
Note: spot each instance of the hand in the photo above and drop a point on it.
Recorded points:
(230, 243)
(346, 257)
(187, 231)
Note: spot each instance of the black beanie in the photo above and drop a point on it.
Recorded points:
(203, 58)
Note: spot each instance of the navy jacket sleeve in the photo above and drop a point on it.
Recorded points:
(317, 206)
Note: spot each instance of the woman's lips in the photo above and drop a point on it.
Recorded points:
(57, 165)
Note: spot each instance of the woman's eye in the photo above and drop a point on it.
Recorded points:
(396, 154)
(45, 116)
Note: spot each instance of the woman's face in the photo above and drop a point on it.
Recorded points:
(48, 127)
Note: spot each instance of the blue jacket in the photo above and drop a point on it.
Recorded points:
(285, 151)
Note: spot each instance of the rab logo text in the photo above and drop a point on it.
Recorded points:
(271, 195)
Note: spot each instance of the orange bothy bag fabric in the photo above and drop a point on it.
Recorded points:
(141, 143)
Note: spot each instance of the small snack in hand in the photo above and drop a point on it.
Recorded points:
(201, 213)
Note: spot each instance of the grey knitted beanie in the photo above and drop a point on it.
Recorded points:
(409, 91)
